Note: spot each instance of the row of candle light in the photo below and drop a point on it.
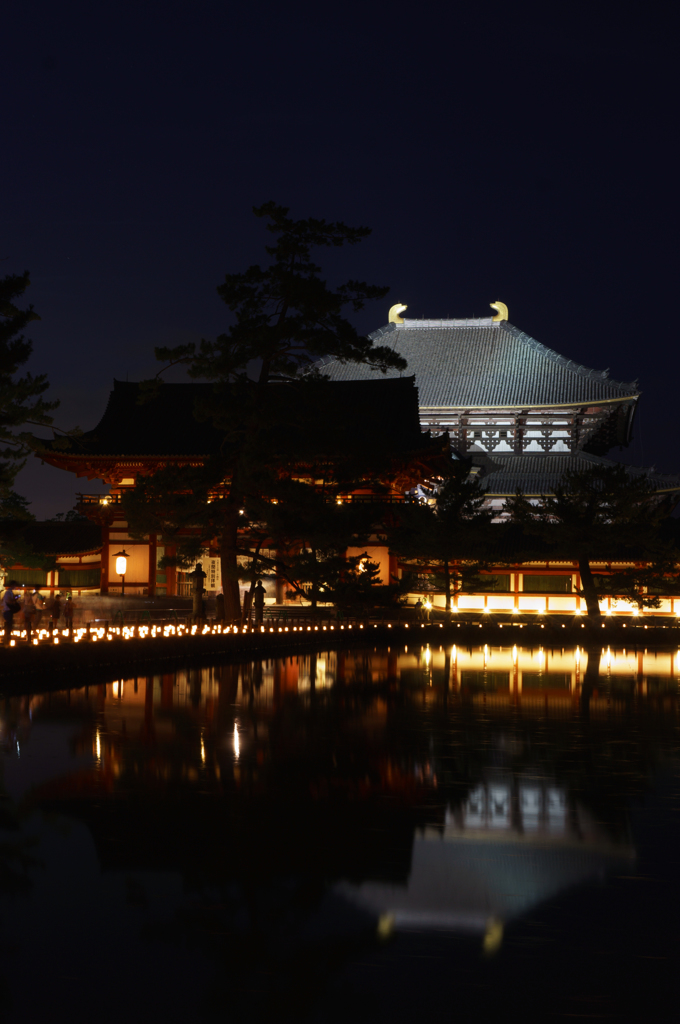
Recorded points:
(95, 633)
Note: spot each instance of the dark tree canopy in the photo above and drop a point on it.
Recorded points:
(287, 316)
(21, 396)
(604, 514)
(445, 539)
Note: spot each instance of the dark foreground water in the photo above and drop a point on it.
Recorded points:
(423, 834)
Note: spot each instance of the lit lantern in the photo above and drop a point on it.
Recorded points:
(121, 567)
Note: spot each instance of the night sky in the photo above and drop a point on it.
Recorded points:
(518, 152)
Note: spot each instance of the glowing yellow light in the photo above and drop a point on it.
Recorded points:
(609, 611)
(237, 745)
(514, 655)
(577, 655)
(121, 565)
(202, 751)
(493, 937)
(636, 611)
(427, 655)
(98, 746)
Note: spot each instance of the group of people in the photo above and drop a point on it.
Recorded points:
(253, 601)
(30, 608)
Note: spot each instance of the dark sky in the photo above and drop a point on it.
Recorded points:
(515, 151)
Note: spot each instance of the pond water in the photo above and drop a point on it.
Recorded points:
(367, 835)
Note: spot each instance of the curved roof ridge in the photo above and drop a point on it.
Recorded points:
(568, 364)
(387, 329)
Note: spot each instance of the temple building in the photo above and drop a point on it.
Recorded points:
(143, 431)
(523, 413)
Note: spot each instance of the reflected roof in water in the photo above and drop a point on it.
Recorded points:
(443, 788)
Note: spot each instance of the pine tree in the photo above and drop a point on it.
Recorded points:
(21, 397)
(445, 538)
(604, 514)
(286, 318)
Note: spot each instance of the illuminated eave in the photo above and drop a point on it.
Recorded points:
(528, 407)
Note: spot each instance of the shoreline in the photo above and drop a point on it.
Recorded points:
(23, 665)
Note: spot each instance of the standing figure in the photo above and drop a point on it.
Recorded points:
(419, 610)
(68, 613)
(39, 605)
(30, 611)
(219, 606)
(258, 602)
(55, 611)
(10, 606)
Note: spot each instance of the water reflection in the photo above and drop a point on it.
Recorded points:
(279, 806)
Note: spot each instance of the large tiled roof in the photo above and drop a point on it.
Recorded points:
(541, 473)
(482, 363)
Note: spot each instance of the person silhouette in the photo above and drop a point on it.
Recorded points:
(258, 602)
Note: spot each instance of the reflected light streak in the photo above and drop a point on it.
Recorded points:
(237, 745)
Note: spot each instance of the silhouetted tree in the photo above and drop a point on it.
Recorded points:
(604, 514)
(286, 317)
(445, 537)
(21, 396)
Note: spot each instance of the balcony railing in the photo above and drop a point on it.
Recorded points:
(349, 499)
(375, 499)
(99, 499)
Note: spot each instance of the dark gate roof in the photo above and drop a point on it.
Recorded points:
(51, 537)
(481, 363)
(162, 421)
